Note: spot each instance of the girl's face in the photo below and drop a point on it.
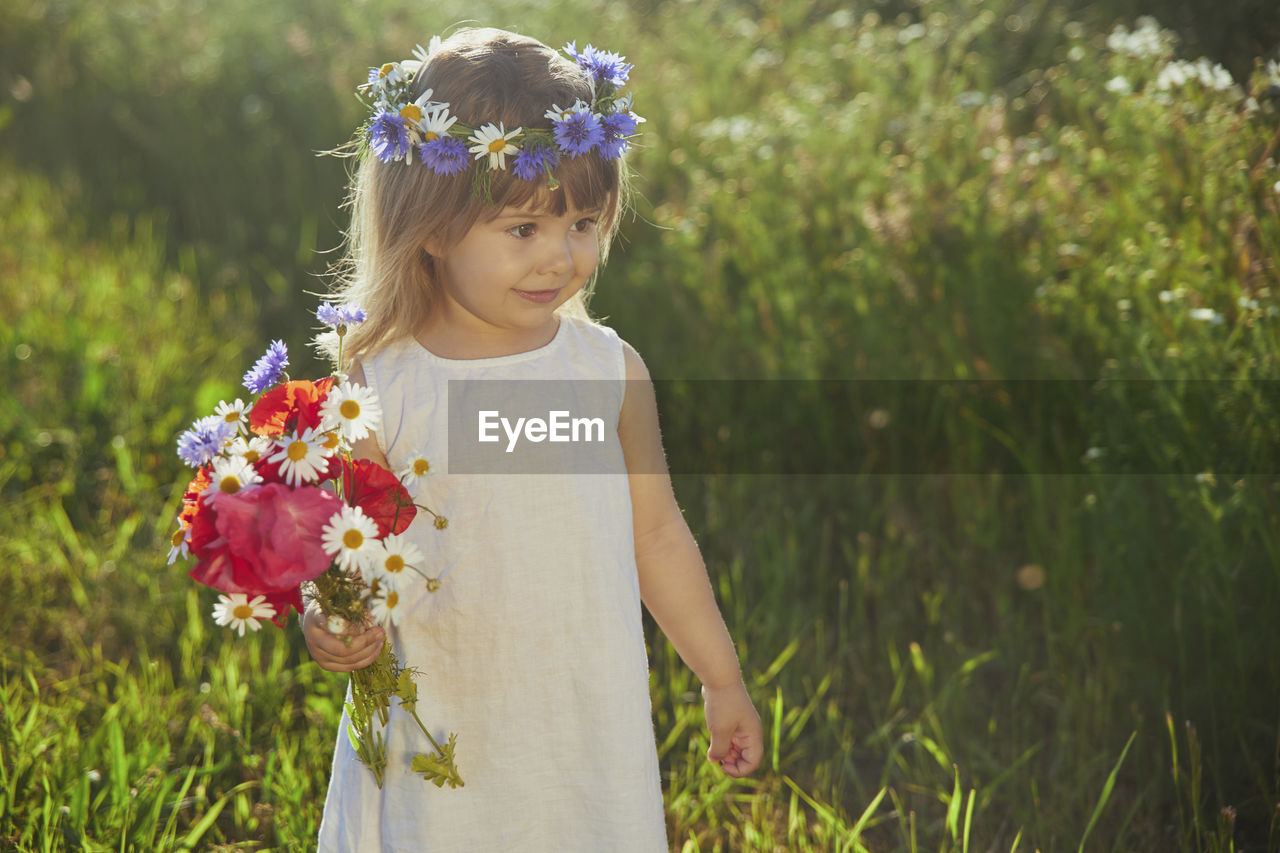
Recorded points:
(504, 280)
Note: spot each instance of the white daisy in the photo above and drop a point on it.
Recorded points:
(301, 457)
(181, 544)
(251, 449)
(393, 558)
(417, 468)
(350, 537)
(386, 608)
(414, 112)
(233, 413)
(558, 113)
(231, 475)
(495, 142)
(432, 46)
(390, 74)
(236, 610)
(437, 123)
(352, 409)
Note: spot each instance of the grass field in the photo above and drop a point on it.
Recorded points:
(1055, 631)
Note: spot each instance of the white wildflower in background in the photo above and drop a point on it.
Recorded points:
(1120, 86)
(1179, 73)
(911, 33)
(236, 611)
(1207, 315)
(1148, 41)
(732, 128)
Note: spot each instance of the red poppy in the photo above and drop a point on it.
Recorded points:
(379, 493)
(290, 406)
(272, 540)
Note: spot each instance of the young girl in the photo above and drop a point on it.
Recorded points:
(473, 254)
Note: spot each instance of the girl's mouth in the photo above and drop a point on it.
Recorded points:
(539, 295)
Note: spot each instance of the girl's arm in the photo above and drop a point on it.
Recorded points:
(356, 646)
(674, 584)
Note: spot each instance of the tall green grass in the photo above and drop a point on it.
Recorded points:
(986, 657)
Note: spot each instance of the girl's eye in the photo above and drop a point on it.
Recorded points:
(522, 231)
(584, 224)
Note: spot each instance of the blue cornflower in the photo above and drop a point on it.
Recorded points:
(602, 64)
(616, 127)
(200, 444)
(266, 371)
(388, 137)
(445, 156)
(329, 315)
(340, 315)
(578, 133)
(533, 163)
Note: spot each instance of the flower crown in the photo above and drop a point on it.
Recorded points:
(402, 128)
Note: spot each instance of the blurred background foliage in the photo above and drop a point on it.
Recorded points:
(943, 191)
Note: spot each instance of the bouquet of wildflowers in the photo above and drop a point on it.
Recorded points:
(278, 504)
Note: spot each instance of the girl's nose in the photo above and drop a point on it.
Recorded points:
(558, 258)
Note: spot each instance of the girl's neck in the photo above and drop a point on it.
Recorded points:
(451, 342)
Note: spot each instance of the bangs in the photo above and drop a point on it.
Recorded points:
(587, 182)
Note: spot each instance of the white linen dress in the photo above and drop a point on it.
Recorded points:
(532, 650)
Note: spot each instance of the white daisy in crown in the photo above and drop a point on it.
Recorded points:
(236, 611)
(351, 538)
(413, 113)
(302, 456)
(495, 141)
(437, 123)
(351, 409)
(558, 113)
(432, 46)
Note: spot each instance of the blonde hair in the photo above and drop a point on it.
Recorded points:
(486, 75)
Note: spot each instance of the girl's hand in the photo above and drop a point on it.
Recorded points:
(355, 648)
(737, 738)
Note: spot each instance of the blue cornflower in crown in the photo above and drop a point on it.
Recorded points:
(405, 129)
